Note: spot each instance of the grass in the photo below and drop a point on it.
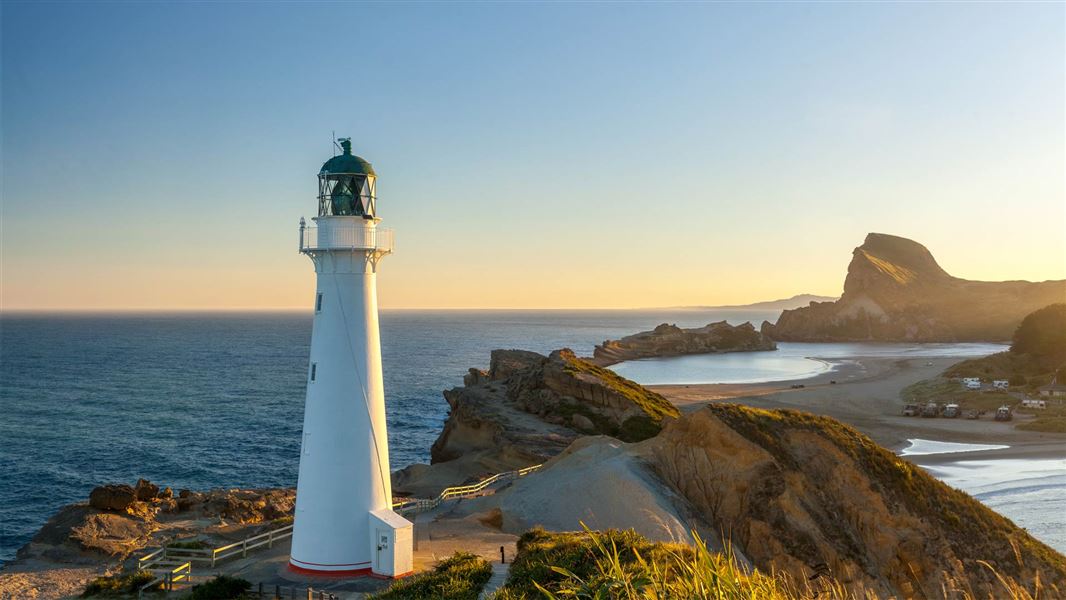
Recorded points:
(1049, 424)
(1020, 369)
(459, 577)
(634, 429)
(945, 391)
(617, 564)
(123, 584)
(222, 587)
(189, 545)
(623, 565)
(978, 533)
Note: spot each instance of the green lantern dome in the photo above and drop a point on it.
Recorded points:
(347, 162)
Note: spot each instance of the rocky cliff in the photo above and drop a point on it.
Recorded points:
(527, 408)
(896, 291)
(671, 340)
(811, 496)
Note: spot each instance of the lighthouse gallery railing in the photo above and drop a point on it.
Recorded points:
(346, 238)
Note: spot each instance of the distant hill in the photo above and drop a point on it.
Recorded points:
(896, 291)
(796, 301)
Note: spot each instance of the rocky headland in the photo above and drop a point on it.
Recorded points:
(90, 538)
(896, 291)
(527, 408)
(788, 492)
(671, 340)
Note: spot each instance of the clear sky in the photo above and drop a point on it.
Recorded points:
(529, 155)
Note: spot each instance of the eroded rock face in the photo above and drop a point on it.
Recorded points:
(671, 340)
(896, 291)
(527, 408)
(113, 496)
(808, 495)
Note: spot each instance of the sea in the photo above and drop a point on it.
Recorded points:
(200, 400)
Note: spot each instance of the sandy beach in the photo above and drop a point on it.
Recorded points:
(867, 395)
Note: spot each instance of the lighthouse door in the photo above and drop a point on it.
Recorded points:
(383, 556)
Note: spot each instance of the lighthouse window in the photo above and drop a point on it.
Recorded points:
(318, 302)
(314, 369)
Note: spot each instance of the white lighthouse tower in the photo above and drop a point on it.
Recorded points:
(344, 520)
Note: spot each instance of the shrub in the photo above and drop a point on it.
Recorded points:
(1042, 333)
(222, 587)
(117, 585)
(459, 577)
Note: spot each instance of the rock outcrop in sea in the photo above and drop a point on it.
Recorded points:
(671, 340)
(896, 291)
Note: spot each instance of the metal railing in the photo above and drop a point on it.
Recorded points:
(356, 237)
(460, 491)
(213, 555)
(167, 577)
(161, 560)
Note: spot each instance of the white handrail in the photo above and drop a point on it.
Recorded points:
(267, 538)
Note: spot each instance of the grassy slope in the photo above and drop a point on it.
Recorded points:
(974, 531)
(634, 429)
(624, 564)
(458, 577)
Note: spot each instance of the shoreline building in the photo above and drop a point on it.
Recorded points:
(344, 522)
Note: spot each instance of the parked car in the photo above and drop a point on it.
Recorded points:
(931, 410)
(951, 411)
(1003, 413)
(910, 410)
(973, 414)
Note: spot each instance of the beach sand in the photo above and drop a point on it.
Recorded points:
(866, 395)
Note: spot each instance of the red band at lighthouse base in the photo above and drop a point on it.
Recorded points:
(314, 569)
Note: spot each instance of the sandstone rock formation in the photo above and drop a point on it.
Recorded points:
(896, 291)
(671, 340)
(810, 496)
(114, 496)
(115, 522)
(527, 408)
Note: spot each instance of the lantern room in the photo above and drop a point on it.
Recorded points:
(347, 185)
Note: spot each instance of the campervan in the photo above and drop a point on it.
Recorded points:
(1001, 384)
(951, 411)
(1003, 413)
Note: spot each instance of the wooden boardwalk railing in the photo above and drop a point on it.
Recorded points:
(161, 559)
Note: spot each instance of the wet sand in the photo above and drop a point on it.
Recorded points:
(866, 395)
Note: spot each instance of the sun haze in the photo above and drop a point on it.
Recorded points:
(159, 156)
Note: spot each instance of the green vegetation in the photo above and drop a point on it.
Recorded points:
(1037, 352)
(282, 521)
(222, 587)
(977, 531)
(122, 584)
(459, 577)
(624, 564)
(189, 545)
(1042, 332)
(635, 429)
(945, 391)
(1045, 424)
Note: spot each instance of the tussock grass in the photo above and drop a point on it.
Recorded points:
(122, 584)
(459, 577)
(623, 565)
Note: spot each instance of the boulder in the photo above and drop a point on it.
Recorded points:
(581, 422)
(113, 496)
(146, 490)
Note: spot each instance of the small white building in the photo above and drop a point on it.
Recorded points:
(1054, 389)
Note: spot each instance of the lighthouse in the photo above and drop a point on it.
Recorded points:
(344, 522)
